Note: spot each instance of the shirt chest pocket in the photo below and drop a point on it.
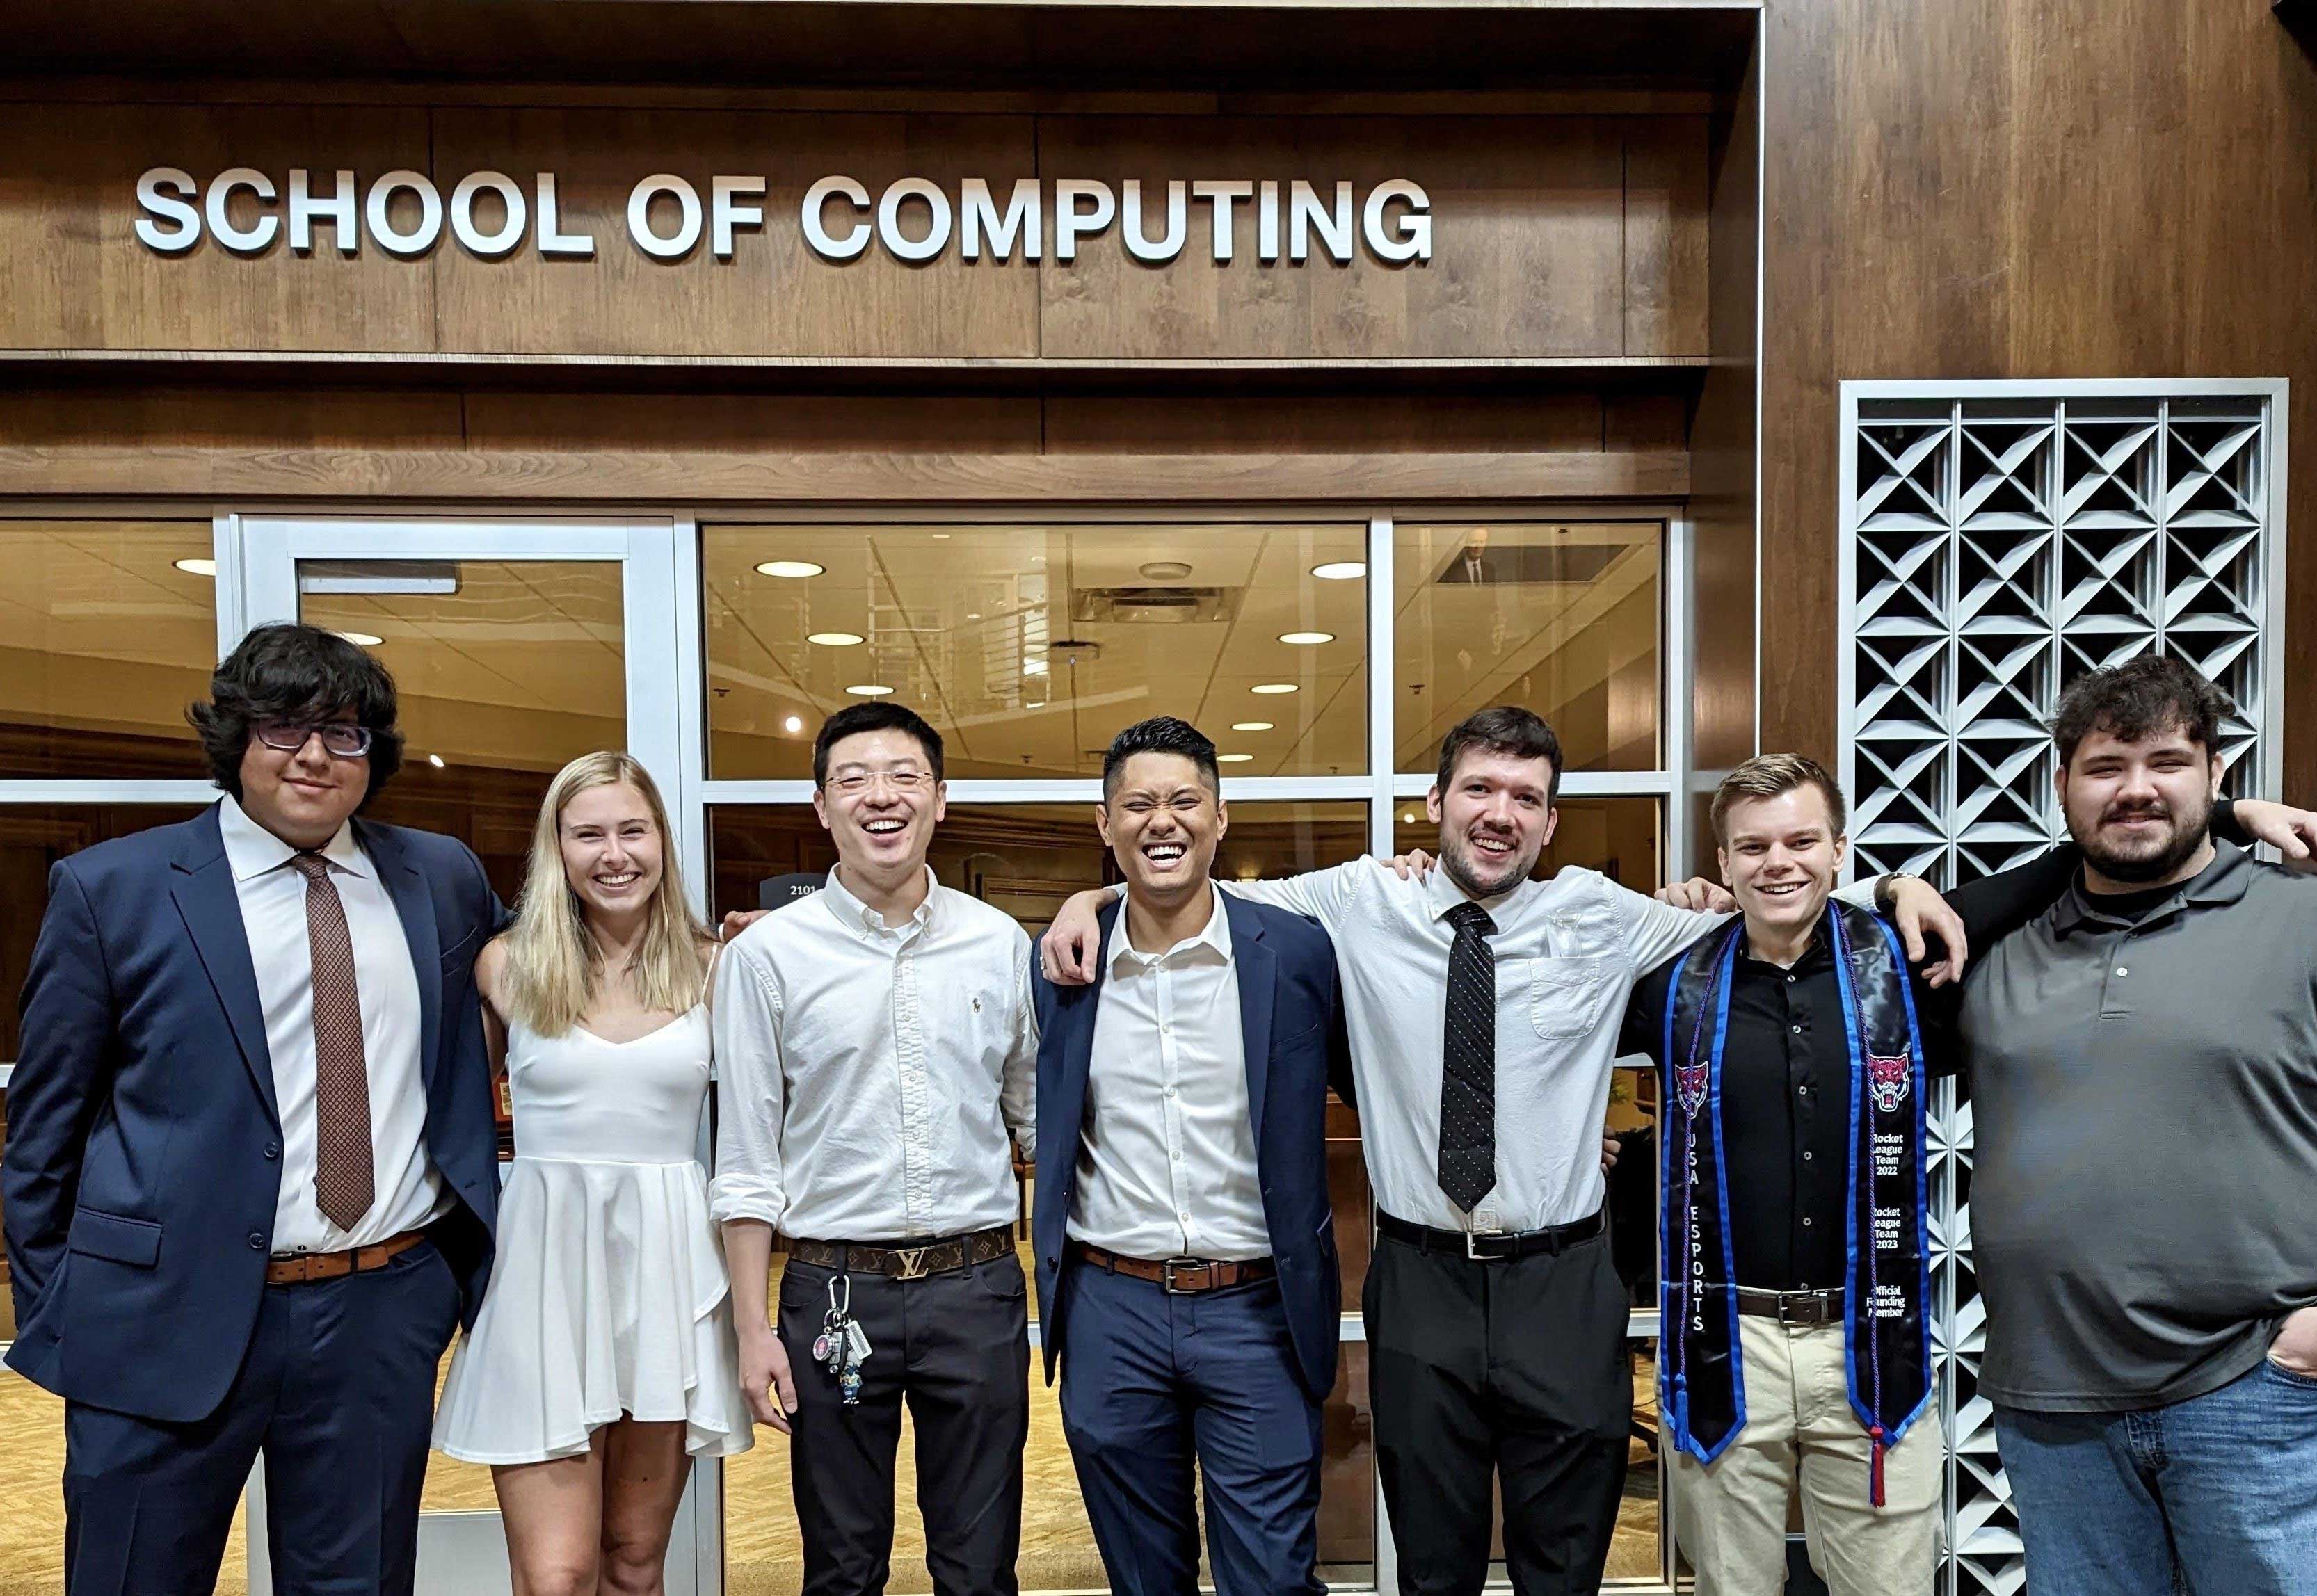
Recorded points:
(1568, 996)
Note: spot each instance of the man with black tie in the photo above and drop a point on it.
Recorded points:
(1185, 1245)
(251, 1169)
(1484, 1009)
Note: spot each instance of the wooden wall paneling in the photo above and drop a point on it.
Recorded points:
(72, 274)
(773, 296)
(2025, 188)
(705, 477)
(250, 421)
(1725, 550)
(750, 423)
(1190, 424)
(1643, 422)
(1543, 276)
(1667, 236)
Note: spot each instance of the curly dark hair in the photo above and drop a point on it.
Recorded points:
(2140, 698)
(286, 671)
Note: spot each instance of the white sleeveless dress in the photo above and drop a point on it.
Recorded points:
(609, 1296)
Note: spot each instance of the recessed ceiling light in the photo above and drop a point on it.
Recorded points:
(1232, 759)
(362, 639)
(795, 568)
(196, 567)
(1034, 667)
(1166, 570)
(1251, 726)
(793, 724)
(1341, 570)
(1408, 818)
(435, 760)
(869, 689)
(833, 639)
(941, 537)
(1274, 687)
(973, 615)
(1037, 559)
(1307, 640)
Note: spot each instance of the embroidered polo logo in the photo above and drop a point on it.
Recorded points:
(1889, 1079)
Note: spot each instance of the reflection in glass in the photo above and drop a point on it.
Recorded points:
(506, 670)
(1562, 617)
(106, 637)
(1028, 859)
(1029, 647)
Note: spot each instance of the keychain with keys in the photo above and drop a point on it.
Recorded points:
(842, 1346)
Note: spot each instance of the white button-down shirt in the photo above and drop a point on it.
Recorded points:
(868, 1074)
(409, 1189)
(1567, 952)
(1166, 1166)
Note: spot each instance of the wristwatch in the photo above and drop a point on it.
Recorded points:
(1886, 890)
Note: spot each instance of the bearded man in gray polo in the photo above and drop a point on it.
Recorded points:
(2144, 1066)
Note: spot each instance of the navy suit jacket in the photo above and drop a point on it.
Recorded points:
(1291, 1024)
(144, 1148)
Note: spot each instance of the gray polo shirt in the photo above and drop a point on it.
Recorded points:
(2144, 1197)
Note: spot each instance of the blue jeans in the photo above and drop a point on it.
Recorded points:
(2216, 1495)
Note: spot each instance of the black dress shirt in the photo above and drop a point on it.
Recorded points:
(1786, 1074)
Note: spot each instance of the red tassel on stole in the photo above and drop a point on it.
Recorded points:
(1877, 1433)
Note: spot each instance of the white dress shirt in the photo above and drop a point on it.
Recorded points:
(868, 1074)
(409, 1189)
(1567, 953)
(1166, 1163)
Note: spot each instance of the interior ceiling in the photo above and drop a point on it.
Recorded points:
(981, 46)
(523, 665)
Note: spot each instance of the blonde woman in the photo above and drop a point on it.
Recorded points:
(604, 1354)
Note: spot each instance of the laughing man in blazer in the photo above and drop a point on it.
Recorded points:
(1186, 1246)
(251, 1173)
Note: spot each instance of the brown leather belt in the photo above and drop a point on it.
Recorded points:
(299, 1268)
(1793, 1308)
(1180, 1277)
(907, 1264)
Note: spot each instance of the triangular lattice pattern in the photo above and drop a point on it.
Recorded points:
(1999, 546)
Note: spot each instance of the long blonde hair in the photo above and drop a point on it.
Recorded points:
(552, 973)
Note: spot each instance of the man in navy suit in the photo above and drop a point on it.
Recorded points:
(1186, 1247)
(251, 1174)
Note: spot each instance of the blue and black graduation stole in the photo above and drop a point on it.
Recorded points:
(1700, 1376)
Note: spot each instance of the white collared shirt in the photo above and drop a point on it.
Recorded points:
(1567, 952)
(409, 1190)
(868, 1074)
(1167, 1161)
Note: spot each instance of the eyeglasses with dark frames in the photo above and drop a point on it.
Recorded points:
(342, 739)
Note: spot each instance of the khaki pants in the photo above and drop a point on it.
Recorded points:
(1731, 1518)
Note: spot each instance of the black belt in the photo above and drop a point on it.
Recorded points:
(1491, 1246)
(1793, 1308)
(937, 1257)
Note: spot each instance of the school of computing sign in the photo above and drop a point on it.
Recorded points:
(491, 216)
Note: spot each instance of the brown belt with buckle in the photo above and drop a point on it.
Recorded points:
(1180, 1277)
(297, 1268)
(907, 1263)
(1793, 1308)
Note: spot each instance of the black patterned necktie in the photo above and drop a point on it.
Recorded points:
(1468, 1063)
(343, 1181)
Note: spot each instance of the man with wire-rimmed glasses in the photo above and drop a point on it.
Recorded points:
(877, 1062)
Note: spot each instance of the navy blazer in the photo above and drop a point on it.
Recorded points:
(1291, 1024)
(144, 1148)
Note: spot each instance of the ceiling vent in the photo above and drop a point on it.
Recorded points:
(1144, 606)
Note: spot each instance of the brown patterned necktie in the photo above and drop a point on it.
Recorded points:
(342, 1183)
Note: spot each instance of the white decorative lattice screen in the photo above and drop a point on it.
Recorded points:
(1999, 539)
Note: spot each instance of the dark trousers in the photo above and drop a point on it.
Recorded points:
(1150, 1381)
(1514, 1370)
(337, 1390)
(956, 1348)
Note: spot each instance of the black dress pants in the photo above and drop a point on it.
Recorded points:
(1513, 1370)
(956, 1348)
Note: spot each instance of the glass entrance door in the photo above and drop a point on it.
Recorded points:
(516, 647)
